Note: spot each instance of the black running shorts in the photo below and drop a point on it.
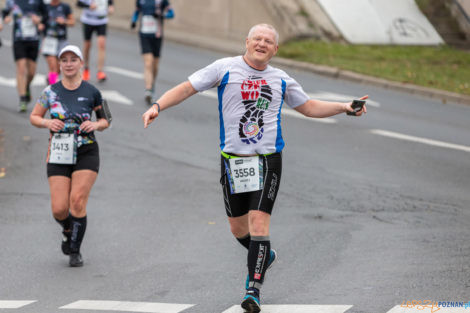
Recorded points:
(89, 29)
(26, 49)
(88, 158)
(263, 200)
(150, 44)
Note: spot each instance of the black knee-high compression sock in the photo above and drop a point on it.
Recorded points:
(65, 223)
(78, 232)
(245, 241)
(258, 259)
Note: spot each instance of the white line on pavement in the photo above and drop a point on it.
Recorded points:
(14, 304)
(39, 80)
(115, 96)
(294, 113)
(7, 43)
(426, 141)
(330, 96)
(124, 72)
(149, 307)
(295, 309)
(289, 112)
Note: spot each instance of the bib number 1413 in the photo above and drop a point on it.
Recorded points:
(62, 149)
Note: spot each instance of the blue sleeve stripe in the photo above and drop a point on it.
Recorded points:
(220, 91)
(279, 141)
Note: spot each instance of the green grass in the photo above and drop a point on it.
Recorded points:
(437, 67)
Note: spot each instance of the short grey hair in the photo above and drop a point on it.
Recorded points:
(268, 26)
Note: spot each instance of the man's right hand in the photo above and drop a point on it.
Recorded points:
(149, 116)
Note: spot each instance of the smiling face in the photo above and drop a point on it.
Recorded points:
(70, 64)
(261, 46)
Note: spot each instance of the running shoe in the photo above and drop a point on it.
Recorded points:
(86, 74)
(148, 96)
(250, 302)
(66, 242)
(75, 260)
(23, 107)
(272, 259)
(101, 76)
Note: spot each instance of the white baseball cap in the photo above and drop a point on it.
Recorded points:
(71, 48)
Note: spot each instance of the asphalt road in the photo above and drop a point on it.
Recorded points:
(364, 219)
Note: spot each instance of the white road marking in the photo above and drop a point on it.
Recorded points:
(426, 141)
(295, 309)
(39, 80)
(294, 113)
(15, 304)
(427, 309)
(288, 112)
(7, 43)
(329, 96)
(124, 72)
(115, 96)
(149, 307)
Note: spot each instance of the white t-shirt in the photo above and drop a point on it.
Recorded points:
(98, 16)
(250, 103)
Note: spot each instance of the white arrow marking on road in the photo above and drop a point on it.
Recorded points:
(115, 96)
(426, 309)
(295, 309)
(329, 96)
(14, 304)
(426, 141)
(124, 72)
(288, 112)
(149, 307)
(39, 80)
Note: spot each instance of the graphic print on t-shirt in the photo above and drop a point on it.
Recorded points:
(256, 95)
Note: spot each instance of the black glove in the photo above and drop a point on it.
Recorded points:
(133, 25)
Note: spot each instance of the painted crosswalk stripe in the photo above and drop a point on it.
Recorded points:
(15, 304)
(124, 72)
(288, 112)
(427, 309)
(295, 309)
(426, 141)
(126, 306)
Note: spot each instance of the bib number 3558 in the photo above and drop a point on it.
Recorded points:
(63, 149)
(245, 174)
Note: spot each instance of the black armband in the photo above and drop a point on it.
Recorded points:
(104, 112)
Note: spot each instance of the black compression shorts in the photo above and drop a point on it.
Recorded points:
(263, 200)
(150, 44)
(26, 49)
(89, 29)
(88, 158)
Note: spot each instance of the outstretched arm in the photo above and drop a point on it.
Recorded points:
(168, 99)
(319, 109)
